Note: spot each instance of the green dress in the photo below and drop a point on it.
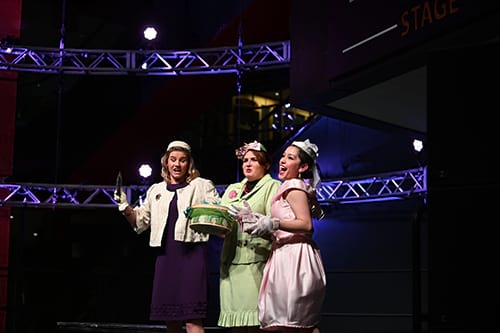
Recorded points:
(244, 256)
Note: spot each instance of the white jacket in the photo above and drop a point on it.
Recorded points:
(153, 212)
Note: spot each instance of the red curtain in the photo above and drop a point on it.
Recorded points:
(10, 26)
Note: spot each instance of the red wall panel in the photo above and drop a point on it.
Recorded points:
(8, 89)
(10, 25)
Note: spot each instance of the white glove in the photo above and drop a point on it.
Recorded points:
(250, 222)
(121, 200)
(241, 213)
(265, 225)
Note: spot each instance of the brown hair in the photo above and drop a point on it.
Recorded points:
(314, 206)
(263, 158)
(306, 159)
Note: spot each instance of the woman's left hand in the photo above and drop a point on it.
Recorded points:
(265, 225)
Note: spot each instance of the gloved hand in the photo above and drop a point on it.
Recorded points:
(121, 200)
(250, 222)
(242, 213)
(265, 225)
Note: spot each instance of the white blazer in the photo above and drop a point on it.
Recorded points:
(153, 212)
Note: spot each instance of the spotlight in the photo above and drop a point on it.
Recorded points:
(419, 151)
(418, 145)
(150, 33)
(145, 171)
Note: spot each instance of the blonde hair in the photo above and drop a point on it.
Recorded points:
(192, 172)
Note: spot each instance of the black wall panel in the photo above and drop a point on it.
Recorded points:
(463, 183)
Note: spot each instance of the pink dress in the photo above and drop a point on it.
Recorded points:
(294, 282)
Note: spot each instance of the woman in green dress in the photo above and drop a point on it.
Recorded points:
(243, 255)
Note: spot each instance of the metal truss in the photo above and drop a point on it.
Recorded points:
(390, 186)
(397, 185)
(145, 62)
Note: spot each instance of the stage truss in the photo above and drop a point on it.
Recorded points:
(397, 185)
(392, 186)
(221, 60)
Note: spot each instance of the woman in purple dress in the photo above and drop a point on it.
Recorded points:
(180, 284)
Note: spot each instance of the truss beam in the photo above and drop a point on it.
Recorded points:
(391, 186)
(221, 60)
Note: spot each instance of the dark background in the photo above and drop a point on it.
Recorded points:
(88, 266)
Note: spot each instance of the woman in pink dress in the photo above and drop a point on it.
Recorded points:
(293, 286)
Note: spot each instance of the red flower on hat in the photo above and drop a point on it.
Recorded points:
(233, 194)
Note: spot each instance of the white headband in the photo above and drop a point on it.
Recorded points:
(179, 144)
(309, 148)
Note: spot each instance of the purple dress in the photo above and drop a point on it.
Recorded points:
(181, 274)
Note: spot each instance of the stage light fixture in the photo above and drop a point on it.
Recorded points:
(418, 145)
(150, 33)
(145, 170)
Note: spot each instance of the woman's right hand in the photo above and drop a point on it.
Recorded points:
(121, 200)
(241, 213)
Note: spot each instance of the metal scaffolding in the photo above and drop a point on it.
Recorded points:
(389, 186)
(266, 56)
(221, 60)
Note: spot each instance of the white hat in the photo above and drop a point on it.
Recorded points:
(240, 152)
(308, 147)
(179, 144)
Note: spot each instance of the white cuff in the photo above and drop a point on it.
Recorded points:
(275, 223)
